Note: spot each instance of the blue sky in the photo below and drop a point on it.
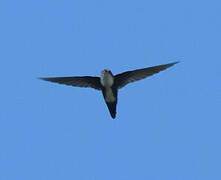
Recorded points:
(167, 126)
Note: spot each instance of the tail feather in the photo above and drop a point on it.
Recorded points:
(112, 108)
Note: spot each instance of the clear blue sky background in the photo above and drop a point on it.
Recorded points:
(167, 126)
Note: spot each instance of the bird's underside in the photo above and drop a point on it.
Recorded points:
(108, 83)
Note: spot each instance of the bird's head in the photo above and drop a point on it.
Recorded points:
(105, 71)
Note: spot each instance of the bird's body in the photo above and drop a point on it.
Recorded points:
(108, 83)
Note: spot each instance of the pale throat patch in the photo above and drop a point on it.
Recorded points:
(107, 80)
(109, 95)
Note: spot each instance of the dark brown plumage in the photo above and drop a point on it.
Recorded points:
(108, 83)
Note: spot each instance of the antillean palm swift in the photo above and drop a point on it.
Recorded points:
(109, 83)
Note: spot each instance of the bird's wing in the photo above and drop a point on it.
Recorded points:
(79, 81)
(130, 76)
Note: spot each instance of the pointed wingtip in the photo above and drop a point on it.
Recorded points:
(171, 64)
(44, 79)
(176, 62)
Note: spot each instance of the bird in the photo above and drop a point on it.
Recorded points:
(108, 83)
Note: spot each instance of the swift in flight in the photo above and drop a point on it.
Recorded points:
(109, 83)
